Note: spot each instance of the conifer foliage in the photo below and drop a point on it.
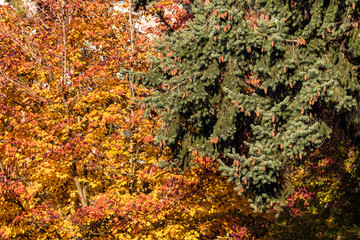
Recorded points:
(247, 83)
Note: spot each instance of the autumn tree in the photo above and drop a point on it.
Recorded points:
(247, 84)
(70, 130)
(325, 203)
(78, 160)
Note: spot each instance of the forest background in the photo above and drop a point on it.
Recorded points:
(219, 120)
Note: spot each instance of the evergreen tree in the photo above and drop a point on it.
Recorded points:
(249, 82)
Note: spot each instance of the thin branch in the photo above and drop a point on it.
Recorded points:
(161, 16)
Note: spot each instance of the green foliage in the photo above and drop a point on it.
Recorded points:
(19, 6)
(247, 83)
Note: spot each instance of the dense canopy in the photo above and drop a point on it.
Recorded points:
(253, 84)
(180, 119)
